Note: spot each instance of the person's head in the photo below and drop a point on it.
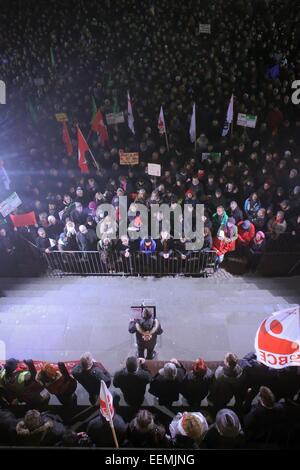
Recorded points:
(246, 225)
(78, 206)
(228, 423)
(132, 364)
(86, 361)
(51, 220)
(83, 229)
(144, 421)
(41, 232)
(254, 197)
(169, 371)
(2, 232)
(10, 365)
(67, 199)
(79, 192)
(259, 236)
(148, 242)
(220, 210)
(49, 371)
(266, 397)
(32, 420)
(146, 314)
(280, 216)
(261, 213)
(193, 426)
(231, 360)
(199, 368)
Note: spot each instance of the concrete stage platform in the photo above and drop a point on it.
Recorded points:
(59, 318)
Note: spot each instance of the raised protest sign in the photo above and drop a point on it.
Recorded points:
(154, 169)
(10, 204)
(129, 158)
(204, 28)
(277, 341)
(115, 118)
(246, 120)
(61, 117)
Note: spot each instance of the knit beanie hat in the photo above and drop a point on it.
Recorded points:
(227, 423)
(246, 225)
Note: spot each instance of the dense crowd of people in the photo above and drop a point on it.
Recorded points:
(84, 52)
(263, 414)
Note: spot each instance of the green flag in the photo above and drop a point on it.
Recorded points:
(94, 108)
(33, 113)
(52, 59)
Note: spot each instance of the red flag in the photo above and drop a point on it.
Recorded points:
(161, 122)
(99, 127)
(82, 149)
(67, 139)
(23, 220)
(106, 398)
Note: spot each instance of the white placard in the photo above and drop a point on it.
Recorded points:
(204, 28)
(10, 204)
(115, 118)
(246, 120)
(154, 169)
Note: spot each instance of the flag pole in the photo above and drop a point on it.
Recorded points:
(195, 130)
(231, 125)
(94, 160)
(167, 142)
(111, 423)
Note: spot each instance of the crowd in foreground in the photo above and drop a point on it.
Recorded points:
(264, 412)
(247, 180)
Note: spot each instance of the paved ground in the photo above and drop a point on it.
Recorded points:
(58, 319)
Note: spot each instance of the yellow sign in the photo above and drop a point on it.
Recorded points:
(61, 117)
(129, 158)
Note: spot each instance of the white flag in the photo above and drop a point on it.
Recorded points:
(193, 125)
(106, 399)
(130, 114)
(229, 118)
(161, 122)
(4, 178)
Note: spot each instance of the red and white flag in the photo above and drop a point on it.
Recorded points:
(99, 126)
(82, 149)
(161, 122)
(106, 399)
(130, 114)
(23, 220)
(277, 341)
(67, 139)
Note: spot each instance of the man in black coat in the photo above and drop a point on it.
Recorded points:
(263, 422)
(167, 383)
(146, 329)
(197, 383)
(99, 431)
(89, 375)
(133, 380)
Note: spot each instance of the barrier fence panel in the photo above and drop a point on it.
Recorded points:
(63, 263)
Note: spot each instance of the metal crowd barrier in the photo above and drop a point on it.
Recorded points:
(93, 263)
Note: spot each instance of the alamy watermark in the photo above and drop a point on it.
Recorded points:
(2, 92)
(296, 93)
(187, 223)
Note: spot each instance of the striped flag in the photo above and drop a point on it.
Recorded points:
(193, 125)
(229, 118)
(130, 114)
(161, 122)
